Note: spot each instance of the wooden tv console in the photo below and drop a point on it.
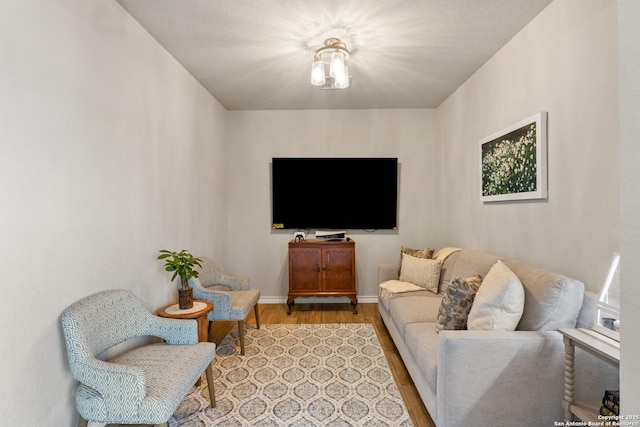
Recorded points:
(322, 269)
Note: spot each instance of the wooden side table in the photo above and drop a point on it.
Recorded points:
(199, 312)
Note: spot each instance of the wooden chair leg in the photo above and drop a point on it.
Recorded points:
(255, 310)
(241, 332)
(212, 392)
(82, 422)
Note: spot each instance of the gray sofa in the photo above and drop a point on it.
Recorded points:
(495, 378)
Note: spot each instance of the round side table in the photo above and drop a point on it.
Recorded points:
(199, 312)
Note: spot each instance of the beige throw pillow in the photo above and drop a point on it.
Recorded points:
(499, 301)
(421, 271)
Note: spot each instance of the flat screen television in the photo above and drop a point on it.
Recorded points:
(334, 193)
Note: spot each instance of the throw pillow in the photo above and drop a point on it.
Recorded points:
(418, 253)
(499, 302)
(421, 271)
(456, 303)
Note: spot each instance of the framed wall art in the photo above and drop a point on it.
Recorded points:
(513, 161)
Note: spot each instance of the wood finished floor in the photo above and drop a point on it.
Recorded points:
(341, 313)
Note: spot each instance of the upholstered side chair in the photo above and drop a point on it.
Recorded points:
(143, 385)
(232, 296)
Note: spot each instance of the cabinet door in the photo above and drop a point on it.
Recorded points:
(338, 269)
(304, 269)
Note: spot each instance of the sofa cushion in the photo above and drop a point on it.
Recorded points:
(422, 341)
(552, 301)
(421, 271)
(499, 301)
(448, 255)
(456, 303)
(405, 311)
(466, 263)
(386, 299)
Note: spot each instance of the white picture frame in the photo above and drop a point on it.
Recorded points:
(513, 161)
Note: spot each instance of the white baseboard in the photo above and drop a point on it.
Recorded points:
(313, 300)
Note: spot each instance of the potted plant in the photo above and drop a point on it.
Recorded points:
(181, 264)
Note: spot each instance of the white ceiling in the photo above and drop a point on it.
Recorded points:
(257, 54)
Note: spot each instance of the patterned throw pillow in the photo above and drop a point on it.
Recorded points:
(421, 271)
(457, 302)
(418, 253)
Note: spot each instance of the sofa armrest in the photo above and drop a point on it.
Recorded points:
(510, 377)
(388, 272)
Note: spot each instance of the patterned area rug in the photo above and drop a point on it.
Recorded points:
(299, 375)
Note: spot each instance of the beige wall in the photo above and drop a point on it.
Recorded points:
(565, 63)
(109, 151)
(255, 137)
(629, 48)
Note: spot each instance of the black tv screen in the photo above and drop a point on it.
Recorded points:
(334, 193)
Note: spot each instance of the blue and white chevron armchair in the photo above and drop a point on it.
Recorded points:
(144, 385)
(232, 296)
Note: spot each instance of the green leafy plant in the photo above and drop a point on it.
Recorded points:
(181, 264)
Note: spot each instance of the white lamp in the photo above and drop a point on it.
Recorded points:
(341, 80)
(317, 73)
(335, 54)
(336, 68)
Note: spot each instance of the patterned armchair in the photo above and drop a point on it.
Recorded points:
(231, 296)
(144, 385)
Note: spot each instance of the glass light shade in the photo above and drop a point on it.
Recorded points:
(336, 68)
(342, 81)
(317, 73)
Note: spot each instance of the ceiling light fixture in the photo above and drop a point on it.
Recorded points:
(335, 55)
